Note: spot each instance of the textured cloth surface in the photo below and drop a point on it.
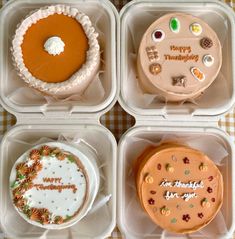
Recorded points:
(117, 120)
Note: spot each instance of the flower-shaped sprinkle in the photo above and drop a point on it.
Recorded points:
(151, 201)
(186, 160)
(186, 217)
(209, 190)
(200, 215)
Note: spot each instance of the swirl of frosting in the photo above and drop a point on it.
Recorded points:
(54, 45)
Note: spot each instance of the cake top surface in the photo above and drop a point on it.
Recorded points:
(180, 54)
(50, 185)
(180, 188)
(54, 68)
(55, 49)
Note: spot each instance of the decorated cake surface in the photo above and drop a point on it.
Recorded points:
(55, 49)
(179, 57)
(50, 185)
(180, 188)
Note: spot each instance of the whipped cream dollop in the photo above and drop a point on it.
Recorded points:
(54, 45)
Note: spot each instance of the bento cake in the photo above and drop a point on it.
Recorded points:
(49, 186)
(55, 50)
(180, 188)
(179, 57)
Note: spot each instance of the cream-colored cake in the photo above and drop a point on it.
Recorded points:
(179, 57)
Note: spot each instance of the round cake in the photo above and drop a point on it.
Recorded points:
(55, 50)
(180, 188)
(53, 185)
(179, 57)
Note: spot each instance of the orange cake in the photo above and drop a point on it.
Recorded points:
(55, 50)
(179, 57)
(180, 188)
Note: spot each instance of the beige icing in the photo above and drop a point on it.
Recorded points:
(166, 213)
(183, 43)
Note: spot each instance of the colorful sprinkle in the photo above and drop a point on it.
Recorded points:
(200, 215)
(213, 199)
(209, 190)
(186, 160)
(169, 168)
(174, 158)
(196, 29)
(206, 43)
(187, 172)
(205, 203)
(148, 179)
(203, 167)
(186, 217)
(159, 166)
(191, 206)
(175, 25)
(153, 192)
(151, 201)
(173, 220)
(165, 211)
(210, 178)
(155, 68)
(158, 35)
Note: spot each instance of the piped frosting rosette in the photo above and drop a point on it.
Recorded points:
(54, 185)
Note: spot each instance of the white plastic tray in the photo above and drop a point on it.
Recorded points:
(135, 18)
(97, 225)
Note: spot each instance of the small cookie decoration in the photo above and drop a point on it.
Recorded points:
(174, 25)
(206, 43)
(181, 198)
(152, 53)
(155, 68)
(186, 48)
(196, 29)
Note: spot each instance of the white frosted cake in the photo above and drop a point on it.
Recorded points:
(52, 186)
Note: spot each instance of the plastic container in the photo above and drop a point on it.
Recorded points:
(136, 18)
(37, 119)
(105, 22)
(157, 119)
(11, 222)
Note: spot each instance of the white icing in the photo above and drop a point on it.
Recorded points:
(178, 184)
(54, 45)
(208, 60)
(185, 196)
(79, 77)
(61, 203)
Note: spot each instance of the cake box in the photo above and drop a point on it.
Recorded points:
(72, 121)
(39, 119)
(157, 121)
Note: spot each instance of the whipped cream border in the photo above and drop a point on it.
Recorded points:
(78, 78)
